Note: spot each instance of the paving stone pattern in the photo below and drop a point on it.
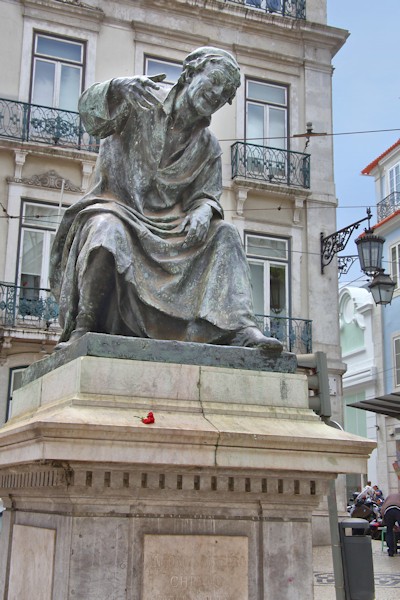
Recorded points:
(386, 573)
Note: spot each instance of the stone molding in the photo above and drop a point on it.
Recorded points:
(72, 13)
(32, 478)
(89, 410)
(51, 179)
(88, 481)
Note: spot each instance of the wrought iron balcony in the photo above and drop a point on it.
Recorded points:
(27, 307)
(287, 8)
(36, 309)
(388, 206)
(34, 123)
(273, 165)
(295, 334)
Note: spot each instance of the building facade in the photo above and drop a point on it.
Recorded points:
(385, 170)
(359, 332)
(278, 186)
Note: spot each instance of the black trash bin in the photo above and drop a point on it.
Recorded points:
(358, 568)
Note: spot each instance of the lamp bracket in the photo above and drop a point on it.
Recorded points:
(336, 242)
(345, 263)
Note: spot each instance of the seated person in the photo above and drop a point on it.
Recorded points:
(146, 252)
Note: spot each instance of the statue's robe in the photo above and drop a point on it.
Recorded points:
(140, 196)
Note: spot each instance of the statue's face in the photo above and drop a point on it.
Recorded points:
(210, 89)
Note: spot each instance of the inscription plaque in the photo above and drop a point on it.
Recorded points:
(195, 567)
(31, 565)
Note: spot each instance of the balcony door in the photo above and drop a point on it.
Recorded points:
(394, 179)
(268, 261)
(265, 155)
(266, 114)
(57, 72)
(39, 224)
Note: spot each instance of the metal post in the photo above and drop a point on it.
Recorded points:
(335, 541)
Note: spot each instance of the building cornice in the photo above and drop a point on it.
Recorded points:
(74, 14)
(37, 149)
(241, 19)
(144, 32)
(358, 377)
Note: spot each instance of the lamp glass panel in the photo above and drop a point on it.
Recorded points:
(370, 253)
(382, 288)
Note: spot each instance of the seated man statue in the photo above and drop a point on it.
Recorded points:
(146, 253)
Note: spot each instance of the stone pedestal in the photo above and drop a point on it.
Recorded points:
(211, 502)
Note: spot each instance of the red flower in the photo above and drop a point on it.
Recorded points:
(147, 420)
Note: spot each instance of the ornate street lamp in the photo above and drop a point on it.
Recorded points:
(370, 249)
(382, 288)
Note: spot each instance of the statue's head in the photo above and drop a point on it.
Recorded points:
(212, 64)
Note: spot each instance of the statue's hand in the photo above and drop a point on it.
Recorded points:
(138, 90)
(197, 225)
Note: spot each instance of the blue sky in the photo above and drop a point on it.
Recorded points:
(366, 96)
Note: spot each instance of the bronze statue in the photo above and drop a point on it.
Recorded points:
(146, 252)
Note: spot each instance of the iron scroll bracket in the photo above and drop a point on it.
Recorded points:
(336, 242)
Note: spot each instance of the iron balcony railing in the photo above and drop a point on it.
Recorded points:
(295, 334)
(388, 206)
(33, 307)
(273, 165)
(287, 8)
(34, 123)
(36, 308)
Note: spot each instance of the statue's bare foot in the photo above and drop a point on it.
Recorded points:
(75, 335)
(252, 337)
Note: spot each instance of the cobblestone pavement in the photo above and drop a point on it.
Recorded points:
(386, 573)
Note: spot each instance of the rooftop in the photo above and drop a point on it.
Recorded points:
(367, 170)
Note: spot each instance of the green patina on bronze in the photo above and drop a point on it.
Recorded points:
(163, 351)
(146, 252)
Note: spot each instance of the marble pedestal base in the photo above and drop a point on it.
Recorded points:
(211, 502)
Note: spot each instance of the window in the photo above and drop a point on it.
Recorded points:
(269, 263)
(395, 264)
(396, 351)
(266, 114)
(268, 5)
(38, 227)
(14, 383)
(394, 179)
(155, 66)
(355, 420)
(57, 72)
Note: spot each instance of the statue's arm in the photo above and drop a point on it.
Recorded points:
(202, 204)
(105, 107)
(206, 189)
(94, 108)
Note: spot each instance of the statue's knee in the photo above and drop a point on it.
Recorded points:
(228, 231)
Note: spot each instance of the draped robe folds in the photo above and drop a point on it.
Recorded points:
(140, 196)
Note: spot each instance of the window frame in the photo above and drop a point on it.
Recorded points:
(286, 107)
(267, 263)
(396, 361)
(10, 389)
(393, 178)
(162, 61)
(394, 265)
(45, 58)
(30, 227)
